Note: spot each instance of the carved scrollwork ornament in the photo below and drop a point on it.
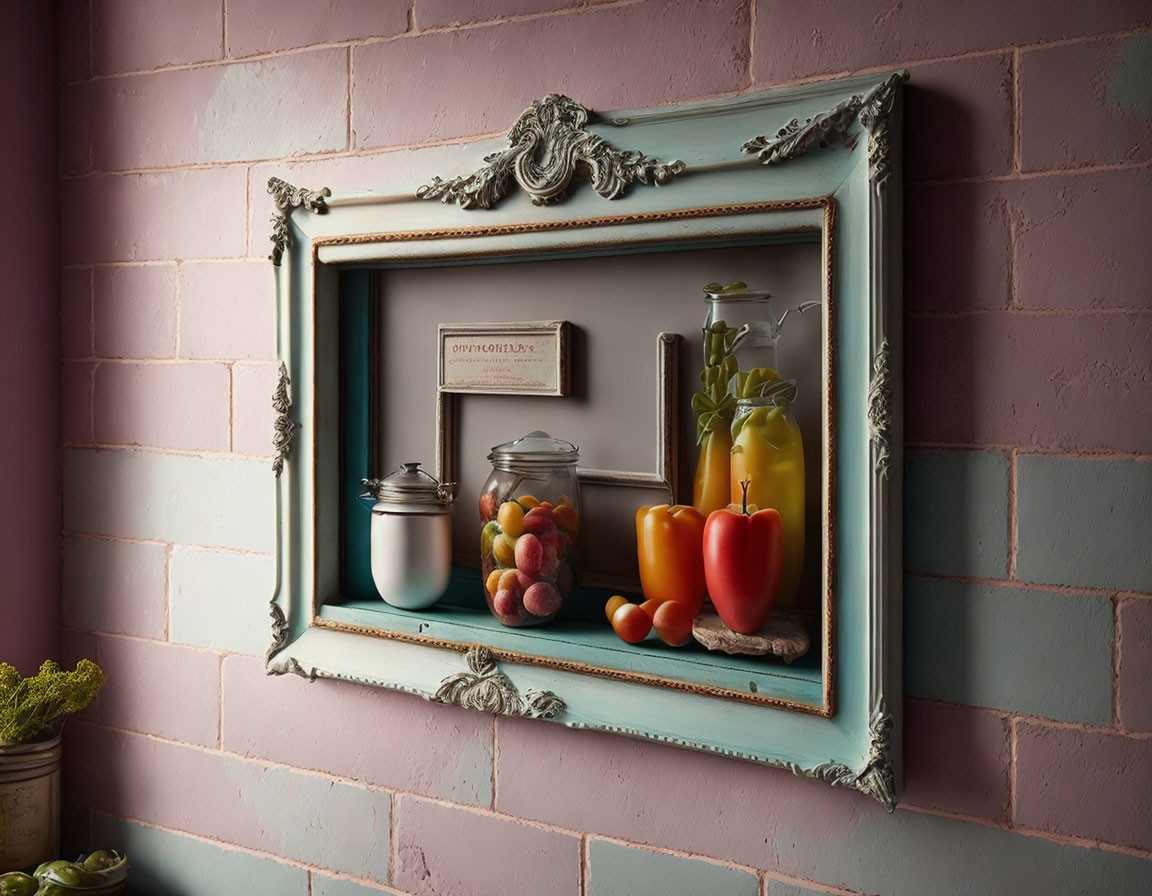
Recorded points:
(287, 199)
(549, 147)
(283, 427)
(280, 629)
(880, 408)
(488, 689)
(877, 779)
(876, 116)
(874, 110)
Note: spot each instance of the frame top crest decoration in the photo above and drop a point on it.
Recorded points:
(818, 163)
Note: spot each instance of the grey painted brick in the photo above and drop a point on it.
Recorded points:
(626, 871)
(114, 586)
(208, 501)
(1032, 652)
(331, 824)
(914, 854)
(220, 599)
(167, 864)
(1085, 522)
(956, 513)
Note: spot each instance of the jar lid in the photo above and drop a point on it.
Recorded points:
(536, 448)
(745, 295)
(411, 485)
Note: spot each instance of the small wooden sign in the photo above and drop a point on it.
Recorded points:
(518, 358)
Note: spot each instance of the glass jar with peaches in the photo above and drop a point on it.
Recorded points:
(530, 514)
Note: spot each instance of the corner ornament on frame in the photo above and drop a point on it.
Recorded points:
(549, 145)
(874, 110)
(288, 198)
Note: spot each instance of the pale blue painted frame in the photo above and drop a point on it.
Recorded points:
(836, 142)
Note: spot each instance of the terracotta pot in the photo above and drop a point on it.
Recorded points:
(29, 803)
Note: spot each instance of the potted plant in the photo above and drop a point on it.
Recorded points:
(32, 711)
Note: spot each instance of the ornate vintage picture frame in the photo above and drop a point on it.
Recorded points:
(826, 170)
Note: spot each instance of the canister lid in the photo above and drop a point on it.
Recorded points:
(536, 448)
(742, 295)
(411, 486)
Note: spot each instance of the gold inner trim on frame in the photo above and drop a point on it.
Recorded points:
(827, 612)
(530, 659)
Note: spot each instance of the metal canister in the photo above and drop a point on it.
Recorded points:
(411, 537)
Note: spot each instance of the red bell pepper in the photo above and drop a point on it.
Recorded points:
(743, 558)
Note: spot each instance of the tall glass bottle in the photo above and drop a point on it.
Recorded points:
(740, 334)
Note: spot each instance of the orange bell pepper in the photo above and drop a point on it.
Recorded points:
(670, 548)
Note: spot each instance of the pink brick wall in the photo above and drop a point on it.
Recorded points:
(29, 340)
(1029, 326)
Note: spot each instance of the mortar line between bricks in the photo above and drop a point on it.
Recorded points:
(91, 310)
(669, 851)
(231, 408)
(495, 759)
(393, 825)
(234, 847)
(224, 752)
(1117, 647)
(1106, 730)
(1090, 842)
(1013, 514)
(490, 813)
(156, 542)
(495, 21)
(220, 704)
(91, 388)
(177, 283)
(348, 145)
(1063, 839)
(585, 866)
(161, 362)
(168, 450)
(249, 211)
(91, 68)
(280, 52)
(979, 820)
(1054, 452)
(1014, 584)
(168, 593)
(1017, 167)
(1013, 765)
(1014, 177)
(224, 50)
(752, 43)
(1029, 312)
(186, 359)
(953, 57)
(458, 139)
(793, 880)
(142, 639)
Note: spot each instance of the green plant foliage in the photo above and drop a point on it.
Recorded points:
(31, 707)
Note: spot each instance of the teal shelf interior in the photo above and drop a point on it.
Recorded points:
(576, 636)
